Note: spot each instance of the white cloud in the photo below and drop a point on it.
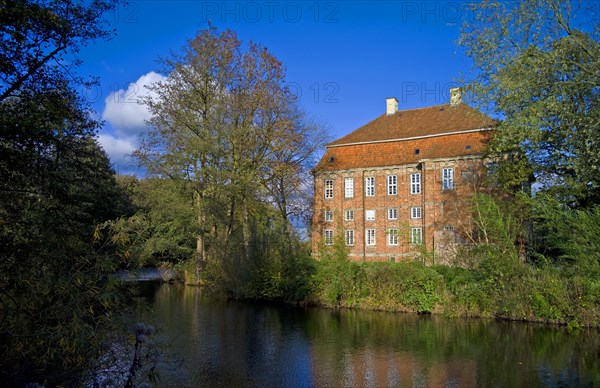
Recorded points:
(118, 150)
(123, 110)
(127, 118)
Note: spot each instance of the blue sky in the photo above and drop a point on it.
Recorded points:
(342, 57)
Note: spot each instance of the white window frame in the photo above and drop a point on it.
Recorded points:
(416, 236)
(369, 186)
(328, 188)
(392, 185)
(349, 188)
(416, 213)
(349, 215)
(370, 215)
(392, 213)
(393, 237)
(370, 237)
(328, 236)
(448, 178)
(415, 183)
(328, 216)
(349, 238)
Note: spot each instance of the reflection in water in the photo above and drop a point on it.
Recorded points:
(247, 344)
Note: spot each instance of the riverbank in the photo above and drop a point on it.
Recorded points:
(503, 289)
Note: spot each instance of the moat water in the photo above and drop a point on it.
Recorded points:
(242, 344)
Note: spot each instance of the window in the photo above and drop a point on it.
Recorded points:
(328, 237)
(370, 236)
(370, 215)
(349, 238)
(392, 185)
(349, 215)
(415, 212)
(393, 237)
(329, 189)
(447, 178)
(349, 187)
(416, 235)
(415, 183)
(370, 186)
(392, 213)
(328, 216)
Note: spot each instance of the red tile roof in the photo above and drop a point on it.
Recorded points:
(442, 131)
(429, 121)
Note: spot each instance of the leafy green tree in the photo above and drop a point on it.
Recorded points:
(38, 36)
(537, 67)
(162, 229)
(570, 236)
(55, 185)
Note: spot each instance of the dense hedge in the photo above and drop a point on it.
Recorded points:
(500, 289)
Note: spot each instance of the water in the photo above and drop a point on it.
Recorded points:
(232, 344)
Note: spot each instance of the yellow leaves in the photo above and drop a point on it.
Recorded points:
(97, 235)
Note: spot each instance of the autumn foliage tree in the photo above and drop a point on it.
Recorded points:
(225, 122)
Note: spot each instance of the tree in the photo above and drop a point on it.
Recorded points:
(163, 226)
(537, 67)
(226, 122)
(55, 185)
(288, 179)
(38, 35)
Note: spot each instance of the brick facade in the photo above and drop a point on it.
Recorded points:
(410, 197)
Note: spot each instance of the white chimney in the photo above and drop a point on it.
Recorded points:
(455, 96)
(391, 105)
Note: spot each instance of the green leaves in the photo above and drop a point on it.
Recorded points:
(38, 35)
(226, 125)
(539, 72)
(55, 184)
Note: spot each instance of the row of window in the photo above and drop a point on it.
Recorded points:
(416, 237)
(392, 184)
(392, 214)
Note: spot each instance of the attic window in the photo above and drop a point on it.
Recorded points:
(332, 159)
(468, 147)
(417, 151)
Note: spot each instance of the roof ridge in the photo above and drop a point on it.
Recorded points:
(390, 140)
(423, 107)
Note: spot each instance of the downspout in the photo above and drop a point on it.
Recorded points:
(364, 223)
(423, 240)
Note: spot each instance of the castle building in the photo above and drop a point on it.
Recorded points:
(400, 183)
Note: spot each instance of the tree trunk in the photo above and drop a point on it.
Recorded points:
(246, 230)
(200, 239)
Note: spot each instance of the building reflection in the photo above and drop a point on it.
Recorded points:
(380, 368)
(251, 344)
